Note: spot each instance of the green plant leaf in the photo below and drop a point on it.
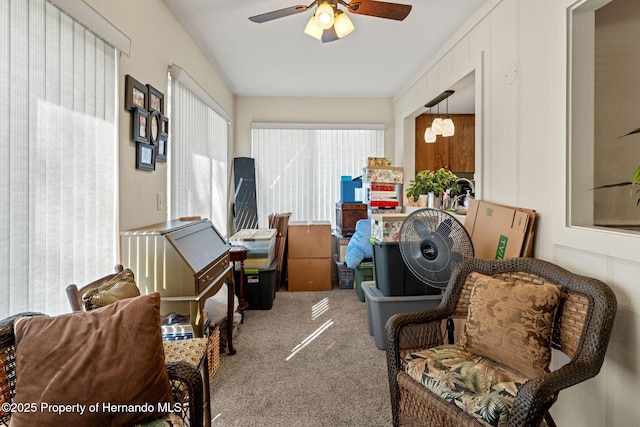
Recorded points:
(620, 184)
(636, 177)
(630, 133)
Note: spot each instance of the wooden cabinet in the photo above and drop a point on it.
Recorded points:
(456, 153)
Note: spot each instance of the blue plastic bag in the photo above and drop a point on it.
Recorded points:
(359, 246)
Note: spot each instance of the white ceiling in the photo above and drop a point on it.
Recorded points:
(276, 58)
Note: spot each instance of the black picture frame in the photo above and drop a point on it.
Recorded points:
(164, 129)
(154, 125)
(140, 125)
(155, 99)
(145, 156)
(135, 94)
(161, 149)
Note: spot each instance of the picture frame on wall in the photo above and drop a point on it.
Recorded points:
(135, 94)
(155, 99)
(161, 149)
(155, 124)
(145, 156)
(164, 131)
(140, 125)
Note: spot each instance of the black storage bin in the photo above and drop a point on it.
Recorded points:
(392, 276)
(260, 287)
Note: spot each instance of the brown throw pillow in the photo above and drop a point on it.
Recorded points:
(107, 365)
(511, 323)
(121, 286)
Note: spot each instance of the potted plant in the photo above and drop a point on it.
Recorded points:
(434, 182)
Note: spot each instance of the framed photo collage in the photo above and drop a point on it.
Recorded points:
(150, 126)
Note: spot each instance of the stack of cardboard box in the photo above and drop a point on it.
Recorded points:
(498, 231)
(309, 256)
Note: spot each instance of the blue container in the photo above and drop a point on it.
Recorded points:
(348, 190)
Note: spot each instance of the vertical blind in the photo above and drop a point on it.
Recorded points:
(58, 86)
(298, 168)
(198, 158)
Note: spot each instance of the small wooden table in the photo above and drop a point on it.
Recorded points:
(239, 254)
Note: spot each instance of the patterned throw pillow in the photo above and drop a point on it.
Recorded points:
(511, 323)
(121, 286)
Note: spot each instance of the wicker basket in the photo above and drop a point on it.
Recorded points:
(193, 350)
(213, 353)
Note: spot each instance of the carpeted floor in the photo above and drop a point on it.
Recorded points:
(309, 361)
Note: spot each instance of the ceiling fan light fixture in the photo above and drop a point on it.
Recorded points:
(324, 16)
(313, 29)
(343, 24)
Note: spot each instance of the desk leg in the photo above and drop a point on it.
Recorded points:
(231, 292)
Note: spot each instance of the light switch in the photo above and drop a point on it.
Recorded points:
(160, 201)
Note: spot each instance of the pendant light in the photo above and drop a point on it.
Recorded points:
(448, 128)
(429, 136)
(436, 125)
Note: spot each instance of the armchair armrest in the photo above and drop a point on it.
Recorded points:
(186, 387)
(538, 394)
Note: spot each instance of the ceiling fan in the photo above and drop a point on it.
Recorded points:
(330, 23)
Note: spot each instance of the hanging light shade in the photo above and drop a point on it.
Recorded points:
(313, 29)
(448, 128)
(324, 16)
(429, 136)
(437, 125)
(342, 24)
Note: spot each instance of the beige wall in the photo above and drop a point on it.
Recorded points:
(157, 40)
(517, 50)
(310, 110)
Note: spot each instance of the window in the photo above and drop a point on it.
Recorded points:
(58, 195)
(605, 88)
(585, 226)
(197, 153)
(298, 168)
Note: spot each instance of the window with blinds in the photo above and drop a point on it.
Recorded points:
(59, 163)
(198, 153)
(299, 167)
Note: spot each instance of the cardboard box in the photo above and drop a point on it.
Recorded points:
(310, 239)
(309, 274)
(496, 231)
(386, 227)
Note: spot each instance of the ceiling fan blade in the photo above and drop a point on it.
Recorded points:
(380, 9)
(280, 13)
